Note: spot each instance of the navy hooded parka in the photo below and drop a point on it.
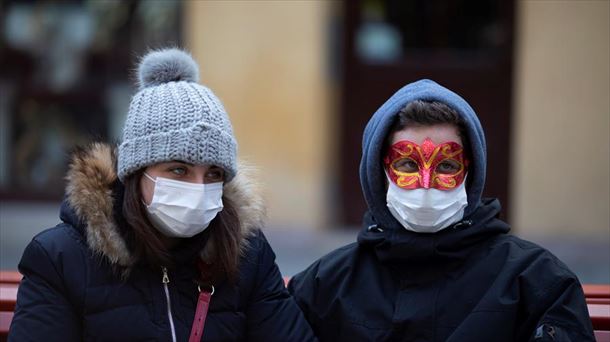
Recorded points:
(469, 282)
(81, 284)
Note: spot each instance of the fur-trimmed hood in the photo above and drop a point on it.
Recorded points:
(91, 179)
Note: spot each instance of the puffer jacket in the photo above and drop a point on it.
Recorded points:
(469, 282)
(71, 290)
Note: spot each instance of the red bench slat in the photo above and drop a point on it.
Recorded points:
(600, 316)
(5, 322)
(602, 336)
(8, 296)
(10, 277)
(596, 291)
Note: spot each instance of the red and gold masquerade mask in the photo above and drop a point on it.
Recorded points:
(411, 166)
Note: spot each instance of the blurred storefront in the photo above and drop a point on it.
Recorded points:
(65, 81)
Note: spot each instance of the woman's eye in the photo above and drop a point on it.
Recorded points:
(406, 165)
(215, 175)
(179, 171)
(448, 166)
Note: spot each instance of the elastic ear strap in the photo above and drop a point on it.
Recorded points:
(149, 177)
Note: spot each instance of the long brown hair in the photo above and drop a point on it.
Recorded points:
(147, 246)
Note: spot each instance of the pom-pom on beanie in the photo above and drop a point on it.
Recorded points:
(172, 117)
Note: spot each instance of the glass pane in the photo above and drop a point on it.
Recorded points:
(66, 79)
(391, 29)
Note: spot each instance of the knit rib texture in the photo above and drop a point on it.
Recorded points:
(177, 120)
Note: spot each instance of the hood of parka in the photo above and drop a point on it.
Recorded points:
(372, 176)
(93, 205)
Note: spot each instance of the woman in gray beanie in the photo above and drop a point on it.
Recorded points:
(160, 237)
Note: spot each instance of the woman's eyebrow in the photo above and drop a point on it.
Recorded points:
(183, 162)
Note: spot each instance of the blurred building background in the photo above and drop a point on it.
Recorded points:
(299, 80)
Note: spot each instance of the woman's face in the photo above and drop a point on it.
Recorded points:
(180, 171)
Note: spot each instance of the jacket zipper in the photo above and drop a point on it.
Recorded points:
(165, 281)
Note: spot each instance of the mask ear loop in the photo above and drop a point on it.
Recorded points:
(149, 177)
(152, 180)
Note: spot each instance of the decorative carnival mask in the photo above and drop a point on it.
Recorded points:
(412, 166)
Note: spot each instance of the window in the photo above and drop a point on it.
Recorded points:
(65, 80)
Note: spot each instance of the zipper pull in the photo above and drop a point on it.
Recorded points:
(165, 279)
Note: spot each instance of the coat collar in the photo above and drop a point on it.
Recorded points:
(91, 194)
(452, 243)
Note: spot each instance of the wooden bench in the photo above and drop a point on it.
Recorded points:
(598, 303)
(9, 282)
(597, 296)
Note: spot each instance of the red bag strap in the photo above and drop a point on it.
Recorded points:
(203, 304)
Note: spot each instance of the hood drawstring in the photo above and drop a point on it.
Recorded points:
(374, 228)
(463, 224)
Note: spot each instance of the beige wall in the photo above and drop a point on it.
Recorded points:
(265, 60)
(562, 101)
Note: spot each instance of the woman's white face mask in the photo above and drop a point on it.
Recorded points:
(426, 210)
(182, 209)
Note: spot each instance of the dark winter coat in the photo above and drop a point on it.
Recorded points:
(71, 290)
(468, 282)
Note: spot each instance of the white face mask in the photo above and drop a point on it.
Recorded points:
(182, 209)
(427, 210)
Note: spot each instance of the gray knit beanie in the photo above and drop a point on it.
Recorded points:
(172, 117)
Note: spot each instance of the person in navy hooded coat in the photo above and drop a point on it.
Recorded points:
(155, 228)
(433, 262)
